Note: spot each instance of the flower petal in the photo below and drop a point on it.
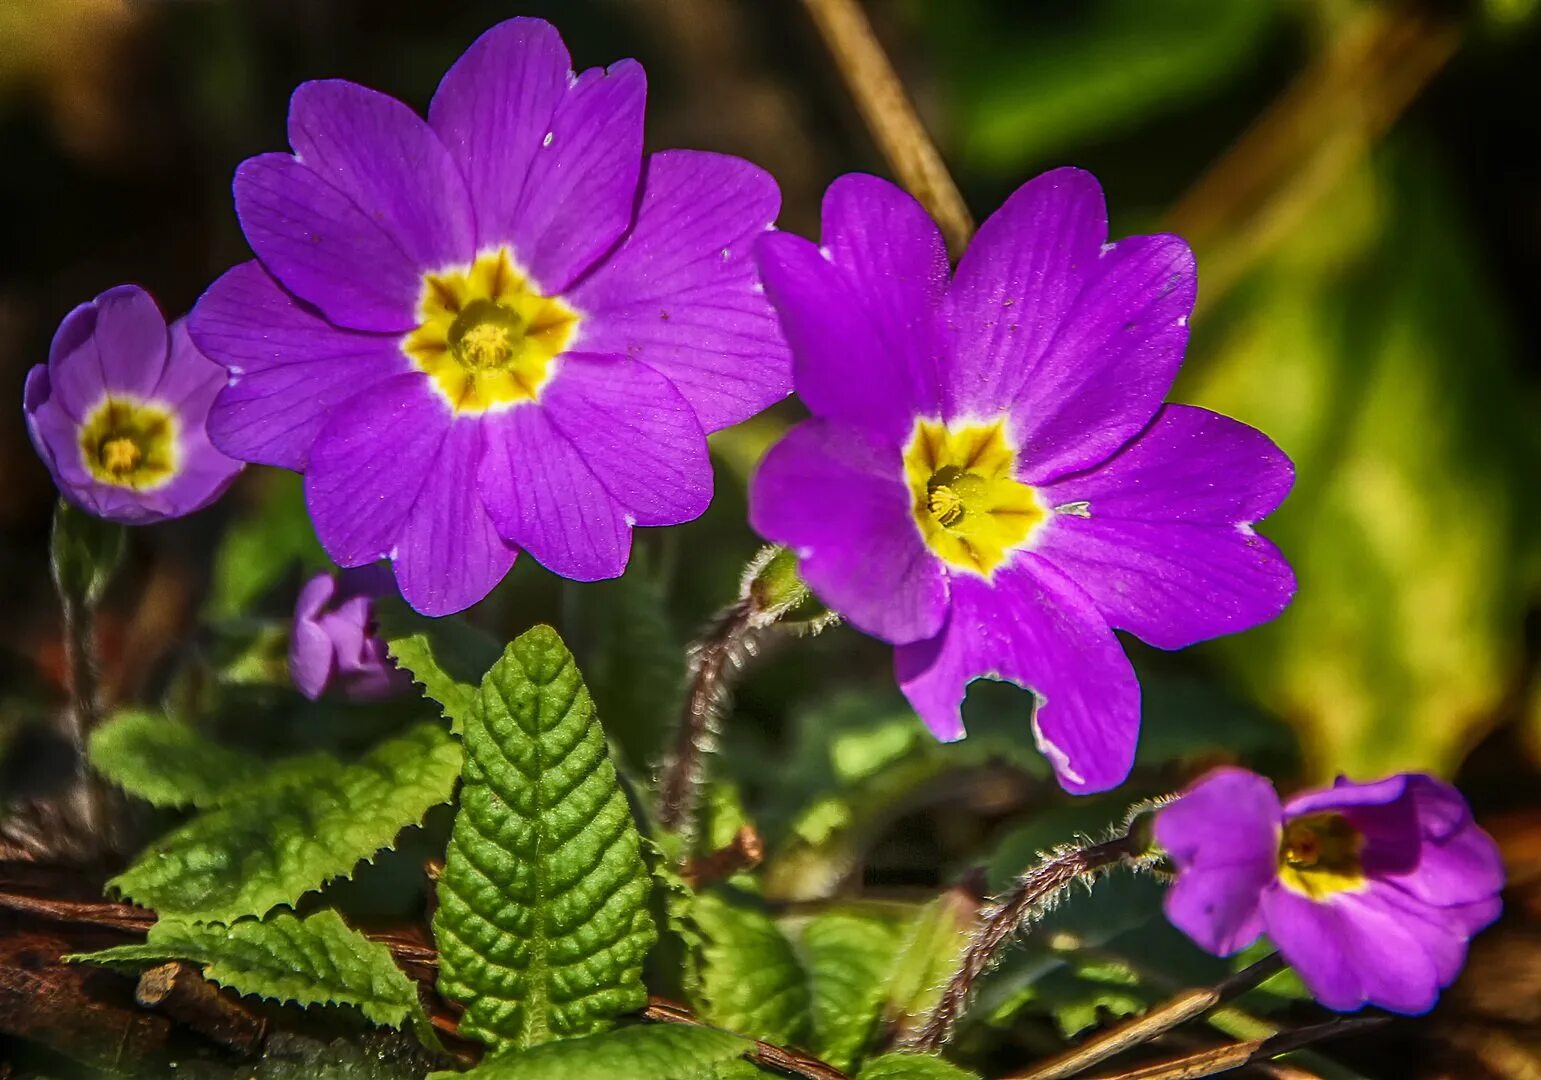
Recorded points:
(289, 367)
(1223, 836)
(189, 385)
(449, 555)
(312, 657)
(1161, 538)
(389, 163)
(117, 342)
(838, 500)
(1033, 627)
(323, 247)
(582, 185)
(493, 109)
(636, 434)
(679, 292)
(369, 465)
(544, 498)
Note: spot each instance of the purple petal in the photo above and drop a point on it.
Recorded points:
(189, 385)
(493, 109)
(840, 502)
(636, 434)
(1014, 287)
(117, 342)
(389, 163)
(1161, 538)
(1345, 794)
(450, 555)
(679, 293)
(544, 498)
(582, 185)
(1033, 627)
(324, 248)
(312, 659)
(1223, 836)
(369, 465)
(289, 367)
(1349, 952)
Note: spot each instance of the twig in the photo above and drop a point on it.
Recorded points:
(890, 116)
(744, 853)
(181, 992)
(1031, 897)
(784, 1059)
(1177, 1010)
(1226, 1058)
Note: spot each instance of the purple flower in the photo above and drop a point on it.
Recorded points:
(1370, 891)
(118, 412)
(499, 328)
(991, 481)
(333, 642)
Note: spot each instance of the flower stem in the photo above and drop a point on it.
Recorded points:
(890, 116)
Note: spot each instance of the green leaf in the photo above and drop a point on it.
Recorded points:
(270, 539)
(850, 955)
(167, 763)
(913, 1067)
(749, 976)
(446, 657)
(318, 960)
(542, 922)
(283, 840)
(654, 1051)
(929, 952)
(85, 553)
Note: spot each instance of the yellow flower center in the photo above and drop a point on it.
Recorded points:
(486, 338)
(130, 444)
(971, 509)
(1319, 855)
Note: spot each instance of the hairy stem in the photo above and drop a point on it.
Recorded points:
(890, 116)
(1032, 896)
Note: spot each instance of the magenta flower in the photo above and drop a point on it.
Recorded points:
(990, 481)
(1370, 891)
(333, 642)
(117, 414)
(499, 328)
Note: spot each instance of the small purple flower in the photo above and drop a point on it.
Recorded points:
(495, 329)
(118, 412)
(333, 643)
(1370, 891)
(991, 481)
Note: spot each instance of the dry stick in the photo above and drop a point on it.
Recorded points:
(1227, 1058)
(1177, 1010)
(180, 991)
(781, 1058)
(1033, 894)
(890, 116)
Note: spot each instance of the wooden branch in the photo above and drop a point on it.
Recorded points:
(1225, 1059)
(181, 992)
(890, 116)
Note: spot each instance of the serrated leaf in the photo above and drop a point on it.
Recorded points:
(542, 922)
(913, 1067)
(318, 960)
(273, 846)
(750, 979)
(655, 1051)
(167, 763)
(446, 657)
(849, 956)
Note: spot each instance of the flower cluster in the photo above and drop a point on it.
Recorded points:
(333, 643)
(1370, 891)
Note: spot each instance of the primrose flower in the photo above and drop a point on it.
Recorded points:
(117, 414)
(333, 642)
(990, 480)
(499, 328)
(1370, 891)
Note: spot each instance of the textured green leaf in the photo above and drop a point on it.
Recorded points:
(263, 546)
(654, 1051)
(928, 954)
(849, 956)
(913, 1067)
(542, 922)
(167, 763)
(446, 657)
(318, 960)
(273, 846)
(750, 979)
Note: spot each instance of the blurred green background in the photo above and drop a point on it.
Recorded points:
(1361, 182)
